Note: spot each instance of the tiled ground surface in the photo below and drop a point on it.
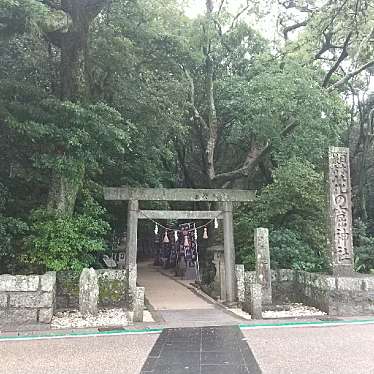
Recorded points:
(202, 350)
(208, 317)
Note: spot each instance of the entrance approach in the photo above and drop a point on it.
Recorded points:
(225, 198)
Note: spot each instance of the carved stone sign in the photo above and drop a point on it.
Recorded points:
(263, 272)
(340, 211)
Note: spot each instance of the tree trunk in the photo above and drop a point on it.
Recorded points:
(73, 46)
(63, 192)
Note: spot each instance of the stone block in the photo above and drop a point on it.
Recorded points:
(31, 300)
(349, 309)
(240, 282)
(256, 301)
(369, 281)
(328, 282)
(302, 276)
(368, 308)
(18, 316)
(273, 276)
(350, 283)
(88, 292)
(139, 305)
(110, 274)
(3, 300)
(285, 275)
(21, 283)
(112, 287)
(45, 315)
(250, 277)
(263, 271)
(48, 281)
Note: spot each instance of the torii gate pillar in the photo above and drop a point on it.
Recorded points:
(224, 197)
(229, 252)
(131, 247)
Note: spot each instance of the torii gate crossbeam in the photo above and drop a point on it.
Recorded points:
(224, 197)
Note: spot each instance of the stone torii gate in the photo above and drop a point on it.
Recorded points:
(224, 197)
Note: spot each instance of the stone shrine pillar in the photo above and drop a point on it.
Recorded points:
(340, 212)
(263, 272)
(88, 292)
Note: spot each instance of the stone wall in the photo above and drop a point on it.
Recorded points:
(340, 296)
(27, 299)
(113, 288)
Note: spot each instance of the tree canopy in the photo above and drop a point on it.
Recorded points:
(133, 92)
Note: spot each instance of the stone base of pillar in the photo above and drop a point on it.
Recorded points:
(342, 271)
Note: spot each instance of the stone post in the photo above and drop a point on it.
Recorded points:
(132, 248)
(88, 292)
(219, 264)
(263, 271)
(240, 285)
(340, 212)
(229, 252)
(139, 305)
(256, 301)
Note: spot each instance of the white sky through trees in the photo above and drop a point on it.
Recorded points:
(267, 25)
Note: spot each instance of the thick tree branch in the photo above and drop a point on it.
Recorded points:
(182, 159)
(342, 57)
(196, 113)
(253, 158)
(350, 75)
(220, 7)
(288, 29)
(238, 15)
(212, 118)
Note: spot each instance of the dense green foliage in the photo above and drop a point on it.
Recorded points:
(293, 208)
(145, 96)
(65, 243)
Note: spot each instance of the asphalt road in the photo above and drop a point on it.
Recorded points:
(305, 350)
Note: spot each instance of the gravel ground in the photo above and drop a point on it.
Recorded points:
(296, 310)
(107, 317)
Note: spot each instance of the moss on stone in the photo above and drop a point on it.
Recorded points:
(68, 283)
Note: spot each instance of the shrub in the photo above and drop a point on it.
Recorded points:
(293, 208)
(65, 243)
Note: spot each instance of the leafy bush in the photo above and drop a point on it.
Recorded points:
(293, 208)
(66, 243)
(11, 230)
(289, 250)
(363, 248)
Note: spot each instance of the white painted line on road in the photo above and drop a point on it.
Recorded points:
(80, 335)
(305, 324)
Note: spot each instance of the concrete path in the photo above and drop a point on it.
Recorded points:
(176, 304)
(165, 293)
(345, 349)
(91, 355)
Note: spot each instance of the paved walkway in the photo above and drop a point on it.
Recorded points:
(176, 304)
(203, 350)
